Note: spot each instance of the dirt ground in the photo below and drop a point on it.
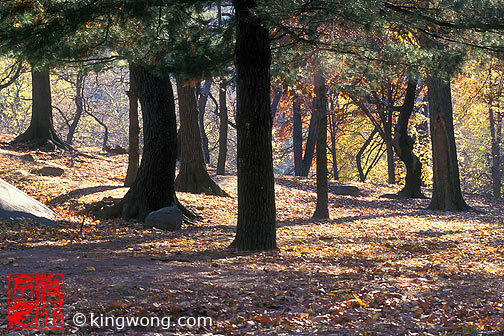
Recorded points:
(378, 267)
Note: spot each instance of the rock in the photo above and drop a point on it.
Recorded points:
(27, 158)
(51, 169)
(342, 189)
(16, 204)
(169, 218)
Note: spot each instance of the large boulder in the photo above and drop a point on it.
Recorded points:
(169, 218)
(343, 189)
(15, 204)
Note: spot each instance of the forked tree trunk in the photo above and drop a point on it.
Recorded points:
(223, 129)
(403, 145)
(446, 193)
(358, 157)
(134, 133)
(256, 227)
(153, 188)
(297, 136)
(193, 176)
(41, 134)
(320, 109)
(79, 108)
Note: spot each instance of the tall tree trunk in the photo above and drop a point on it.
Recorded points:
(496, 137)
(403, 145)
(390, 155)
(193, 176)
(277, 94)
(202, 101)
(358, 158)
(256, 227)
(79, 108)
(153, 188)
(297, 136)
(134, 133)
(41, 134)
(223, 129)
(310, 144)
(446, 193)
(320, 108)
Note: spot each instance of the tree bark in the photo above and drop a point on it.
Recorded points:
(320, 108)
(310, 144)
(358, 157)
(297, 136)
(496, 137)
(223, 129)
(134, 133)
(277, 94)
(446, 193)
(153, 188)
(41, 134)
(403, 145)
(79, 108)
(256, 227)
(202, 101)
(193, 176)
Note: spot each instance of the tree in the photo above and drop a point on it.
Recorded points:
(204, 91)
(223, 129)
(133, 134)
(446, 193)
(256, 227)
(41, 134)
(193, 176)
(320, 110)
(79, 108)
(403, 145)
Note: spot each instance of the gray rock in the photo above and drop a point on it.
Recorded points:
(51, 169)
(169, 218)
(342, 189)
(16, 204)
(27, 158)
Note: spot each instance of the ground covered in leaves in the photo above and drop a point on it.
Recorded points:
(378, 267)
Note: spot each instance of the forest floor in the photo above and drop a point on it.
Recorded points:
(378, 267)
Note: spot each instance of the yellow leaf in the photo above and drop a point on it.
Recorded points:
(91, 268)
(359, 301)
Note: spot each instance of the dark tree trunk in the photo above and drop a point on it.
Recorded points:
(333, 129)
(358, 158)
(79, 108)
(153, 188)
(256, 227)
(41, 134)
(403, 145)
(202, 102)
(134, 133)
(105, 129)
(496, 137)
(223, 129)
(310, 144)
(277, 94)
(320, 109)
(446, 193)
(297, 136)
(193, 176)
(387, 130)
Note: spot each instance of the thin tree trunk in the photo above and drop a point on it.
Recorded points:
(320, 108)
(202, 101)
(277, 94)
(297, 136)
(79, 108)
(403, 145)
(153, 188)
(358, 158)
(496, 136)
(310, 144)
(446, 193)
(223, 129)
(41, 134)
(256, 227)
(390, 156)
(193, 176)
(134, 133)
(105, 129)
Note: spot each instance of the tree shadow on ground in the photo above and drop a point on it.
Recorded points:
(79, 193)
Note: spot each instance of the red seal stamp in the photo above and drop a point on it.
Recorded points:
(36, 300)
